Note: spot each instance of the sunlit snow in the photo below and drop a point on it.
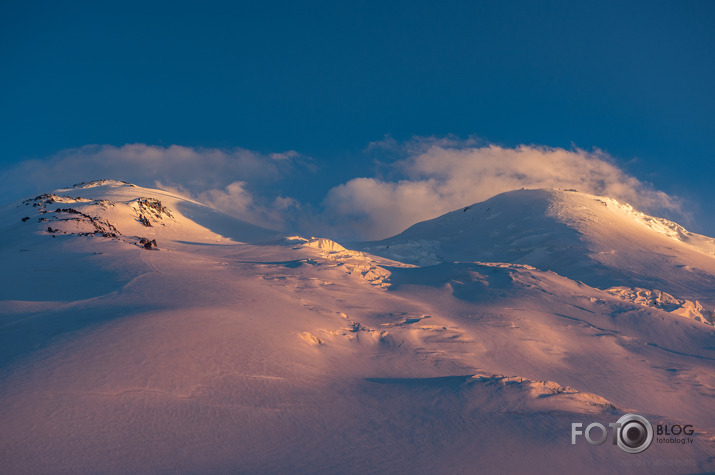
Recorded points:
(468, 343)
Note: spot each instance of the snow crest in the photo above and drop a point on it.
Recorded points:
(663, 301)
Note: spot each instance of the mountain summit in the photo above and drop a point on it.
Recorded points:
(126, 212)
(594, 239)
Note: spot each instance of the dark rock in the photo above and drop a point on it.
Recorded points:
(70, 211)
(153, 206)
(147, 244)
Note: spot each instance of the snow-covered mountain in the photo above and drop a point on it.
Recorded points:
(593, 239)
(141, 331)
(120, 210)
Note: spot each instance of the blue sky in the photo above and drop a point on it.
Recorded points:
(327, 79)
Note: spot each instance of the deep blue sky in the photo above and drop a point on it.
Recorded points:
(326, 78)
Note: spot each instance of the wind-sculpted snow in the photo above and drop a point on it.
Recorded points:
(353, 261)
(664, 301)
(237, 350)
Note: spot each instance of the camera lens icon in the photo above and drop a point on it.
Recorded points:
(634, 433)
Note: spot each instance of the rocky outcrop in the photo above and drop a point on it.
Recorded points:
(151, 210)
(147, 244)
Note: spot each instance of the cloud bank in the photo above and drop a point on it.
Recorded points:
(429, 177)
(442, 175)
(241, 182)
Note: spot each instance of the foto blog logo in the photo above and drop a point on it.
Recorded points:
(632, 433)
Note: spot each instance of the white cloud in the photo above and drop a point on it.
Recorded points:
(442, 175)
(237, 201)
(430, 177)
(234, 196)
(140, 163)
(226, 179)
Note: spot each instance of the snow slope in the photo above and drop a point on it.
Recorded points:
(227, 349)
(596, 240)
